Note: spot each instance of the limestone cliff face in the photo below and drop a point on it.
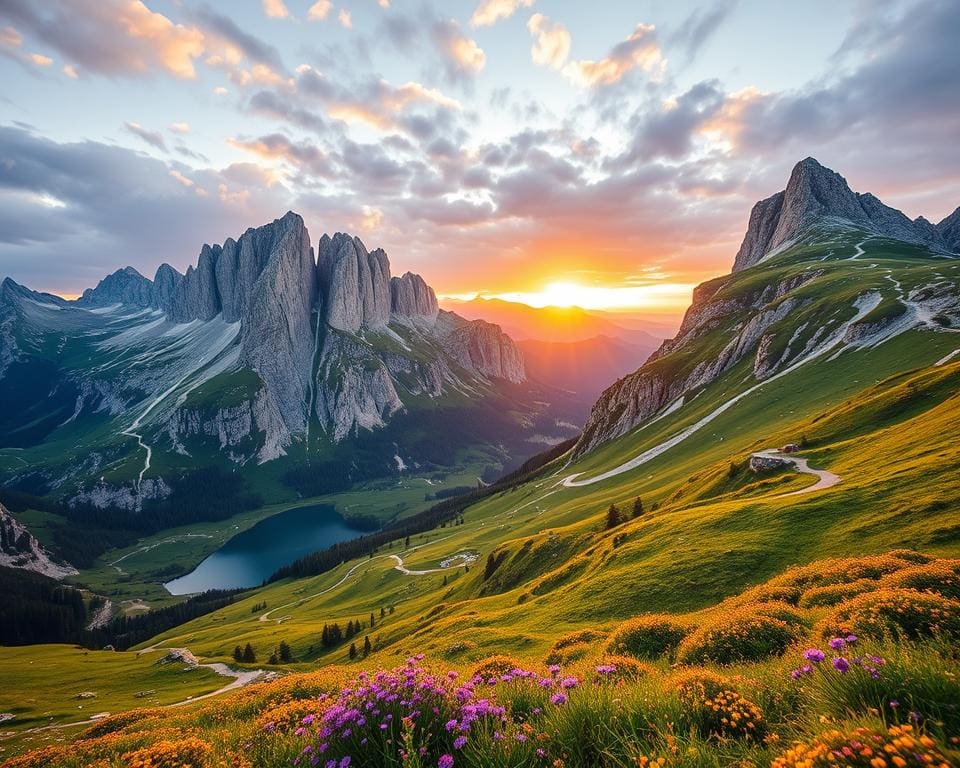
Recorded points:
(166, 283)
(949, 230)
(354, 285)
(481, 347)
(276, 333)
(815, 194)
(411, 298)
(20, 549)
(125, 286)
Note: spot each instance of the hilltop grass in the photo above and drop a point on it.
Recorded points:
(748, 700)
(41, 683)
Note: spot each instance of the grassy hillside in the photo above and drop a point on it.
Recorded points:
(844, 662)
(535, 571)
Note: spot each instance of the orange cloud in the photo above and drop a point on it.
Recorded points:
(319, 10)
(489, 12)
(276, 9)
(464, 52)
(551, 42)
(40, 60)
(173, 46)
(10, 37)
(345, 19)
(639, 51)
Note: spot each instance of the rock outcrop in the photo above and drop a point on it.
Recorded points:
(815, 194)
(166, 284)
(20, 549)
(125, 286)
(949, 230)
(481, 347)
(354, 284)
(412, 298)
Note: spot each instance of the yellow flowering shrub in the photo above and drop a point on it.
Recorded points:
(122, 720)
(940, 576)
(739, 635)
(897, 613)
(727, 714)
(648, 637)
(695, 685)
(288, 715)
(843, 570)
(627, 668)
(899, 747)
(495, 666)
(573, 646)
(186, 753)
(833, 594)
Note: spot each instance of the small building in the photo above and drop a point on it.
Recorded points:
(790, 448)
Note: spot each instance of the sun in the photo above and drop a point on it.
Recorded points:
(563, 295)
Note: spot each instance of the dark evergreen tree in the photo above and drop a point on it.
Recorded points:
(637, 507)
(238, 654)
(367, 647)
(249, 656)
(353, 650)
(284, 652)
(613, 517)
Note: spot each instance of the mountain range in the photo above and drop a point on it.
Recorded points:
(266, 346)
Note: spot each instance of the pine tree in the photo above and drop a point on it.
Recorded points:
(383, 611)
(325, 637)
(366, 646)
(249, 657)
(273, 659)
(371, 620)
(637, 507)
(613, 517)
(238, 654)
(286, 656)
(353, 650)
(349, 629)
(444, 579)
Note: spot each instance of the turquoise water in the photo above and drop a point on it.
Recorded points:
(252, 556)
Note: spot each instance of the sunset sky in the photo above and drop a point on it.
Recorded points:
(548, 151)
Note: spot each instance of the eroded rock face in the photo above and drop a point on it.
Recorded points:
(166, 283)
(481, 347)
(20, 549)
(354, 285)
(815, 194)
(125, 286)
(411, 297)
(949, 230)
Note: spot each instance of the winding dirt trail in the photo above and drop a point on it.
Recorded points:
(825, 479)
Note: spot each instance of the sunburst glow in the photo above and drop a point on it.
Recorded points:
(570, 294)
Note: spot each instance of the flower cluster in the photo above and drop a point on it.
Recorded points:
(743, 634)
(897, 613)
(648, 637)
(731, 715)
(169, 754)
(842, 661)
(900, 747)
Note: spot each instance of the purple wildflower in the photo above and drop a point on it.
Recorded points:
(558, 698)
(569, 682)
(815, 655)
(445, 761)
(841, 665)
(837, 643)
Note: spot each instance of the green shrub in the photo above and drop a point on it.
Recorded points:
(743, 635)
(648, 637)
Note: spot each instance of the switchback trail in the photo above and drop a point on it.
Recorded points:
(825, 479)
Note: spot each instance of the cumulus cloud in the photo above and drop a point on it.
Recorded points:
(639, 51)
(461, 54)
(319, 10)
(112, 37)
(276, 146)
(489, 12)
(551, 42)
(345, 19)
(181, 127)
(70, 71)
(276, 9)
(153, 138)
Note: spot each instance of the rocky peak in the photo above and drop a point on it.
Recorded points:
(814, 195)
(125, 286)
(482, 347)
(354, 284)
(411, 297)
(949, 230)
(165, 285)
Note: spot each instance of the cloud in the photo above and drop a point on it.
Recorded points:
(181, 127)
(461, 54)
(345, 19)
(10, 38)
(489, 12)
(639, 51)
(40, 60)
(233, 43)
(275, 9)
(153, 138)
(70, 71)
(319, 10)
(275, 146)
(551, 42)
(700, 26)
(111, 37)
(181, 178)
